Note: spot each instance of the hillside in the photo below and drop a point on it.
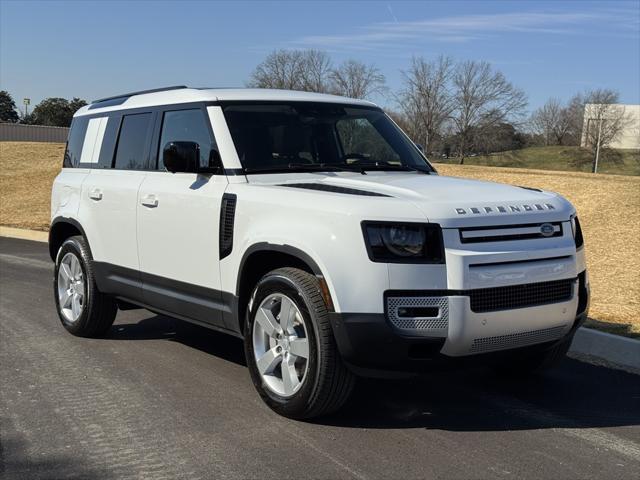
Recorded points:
(575, 159)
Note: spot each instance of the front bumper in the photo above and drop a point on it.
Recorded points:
(371, 342)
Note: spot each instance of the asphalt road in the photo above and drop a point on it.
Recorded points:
(159, 398)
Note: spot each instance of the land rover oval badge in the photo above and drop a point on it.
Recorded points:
(546, 229)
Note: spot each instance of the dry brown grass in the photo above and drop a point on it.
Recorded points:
(608, 205)
(27, 170)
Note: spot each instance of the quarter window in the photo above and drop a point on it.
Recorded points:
(187, 126)
(75, 141)
(132, 142)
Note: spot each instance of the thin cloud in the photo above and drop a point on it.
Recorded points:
(466, 28)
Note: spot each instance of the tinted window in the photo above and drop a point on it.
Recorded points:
(132, 142)
(186, 126)
(75, 141)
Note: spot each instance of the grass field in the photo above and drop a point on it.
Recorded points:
(574, 159)
(608, 205)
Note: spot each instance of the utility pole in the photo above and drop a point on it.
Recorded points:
(595, 166)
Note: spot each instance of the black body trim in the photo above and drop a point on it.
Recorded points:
(227, 221)
(333, 189)
(188, 301)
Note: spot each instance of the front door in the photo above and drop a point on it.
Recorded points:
(178, 222)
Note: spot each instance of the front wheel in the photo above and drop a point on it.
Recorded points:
(290, 349)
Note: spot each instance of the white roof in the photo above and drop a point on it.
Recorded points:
(187, 95)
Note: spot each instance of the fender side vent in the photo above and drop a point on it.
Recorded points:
(334, 189)
(227, 219)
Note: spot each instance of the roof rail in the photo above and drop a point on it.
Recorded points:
(131, 94)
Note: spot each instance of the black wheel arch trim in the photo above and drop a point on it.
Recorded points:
(68, 220)
(271, 247)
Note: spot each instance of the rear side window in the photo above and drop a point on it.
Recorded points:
(131, 151)
(186, 126)
(75, 142)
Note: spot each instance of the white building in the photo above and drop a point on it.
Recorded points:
(629, 138)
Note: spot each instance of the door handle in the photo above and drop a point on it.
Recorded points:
(95, 194)
(149, 201)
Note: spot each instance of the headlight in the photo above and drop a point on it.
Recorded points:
(403, 242)
(576, 230)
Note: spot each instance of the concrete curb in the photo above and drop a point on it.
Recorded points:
(616, 351)
(24, 234)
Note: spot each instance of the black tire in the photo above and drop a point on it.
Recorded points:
(98, 310)
(327, 384)
(535, 361)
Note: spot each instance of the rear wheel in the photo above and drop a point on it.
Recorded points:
(83, 310)
(290, 349)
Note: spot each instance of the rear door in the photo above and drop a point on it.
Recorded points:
(178, 223)
(110, 192)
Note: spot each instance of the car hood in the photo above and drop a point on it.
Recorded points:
(450, 201)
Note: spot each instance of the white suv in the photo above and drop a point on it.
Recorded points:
(313, 228)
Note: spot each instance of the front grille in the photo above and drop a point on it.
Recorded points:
(503, 233)
(521, 296)
(436, 321)
(515, 340)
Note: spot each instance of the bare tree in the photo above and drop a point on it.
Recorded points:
(281, 69)
(559, 124)
(425, 99)
(355, 79)
(550, 121)
(306, 70)
(604, 120)
(316, 73)
(482, 97)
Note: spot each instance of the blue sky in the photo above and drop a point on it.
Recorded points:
(96, 49)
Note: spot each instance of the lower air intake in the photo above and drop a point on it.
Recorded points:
(515, 340)
(419, 315)
(521, 296)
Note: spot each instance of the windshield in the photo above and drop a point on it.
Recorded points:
(317, 136)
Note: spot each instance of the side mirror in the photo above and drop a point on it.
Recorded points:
(181, 157)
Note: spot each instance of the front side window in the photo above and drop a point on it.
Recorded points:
(316, 136)
(132, 142)
(187, 126)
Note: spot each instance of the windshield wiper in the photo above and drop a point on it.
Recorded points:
(319, 167)
(390, 166)
(305, 167)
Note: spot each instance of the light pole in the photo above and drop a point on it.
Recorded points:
(27, 102)
(595, 166)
